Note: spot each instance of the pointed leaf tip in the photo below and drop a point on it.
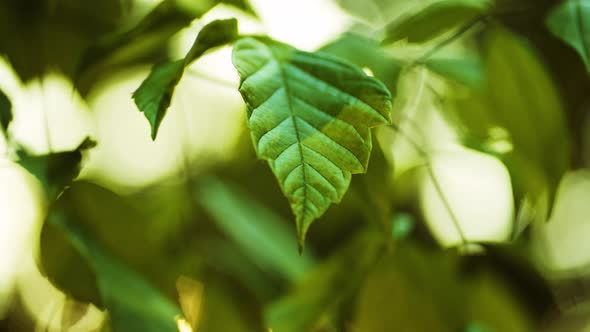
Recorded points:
(570, 22)
(154, 95)
(310, 116)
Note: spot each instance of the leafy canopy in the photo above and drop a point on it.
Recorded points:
(309, 116)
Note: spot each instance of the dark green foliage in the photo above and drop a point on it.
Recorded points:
(570, 21)
(155, 94)
(260, 233)
(434, 20)
(122, 291)
(5, 111)
(466, 70)
(55, 170)
(518, 92)
(367, 53)
(326, 289)
(159, 25)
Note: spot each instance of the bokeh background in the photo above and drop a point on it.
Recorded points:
(473, 216)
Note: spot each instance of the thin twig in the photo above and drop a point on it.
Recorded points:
(45, 113)
(437, 186)
(427, 164)
(456, 35)
(218, 81)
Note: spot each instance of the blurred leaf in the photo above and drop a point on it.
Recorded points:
(261, 234)
(474, 327)
(327, 287)
(416, 288)
(570, 21)
(132, 302)
(562, 238)
(466, 70)
(309, 116)
(155, 93)
(56, 34)
(434, 20)
(72, 313)
(225, 309)
(491, 301)
(120, 229)
(399, 293)
(519, 98)
(5, 111)
(367, 53)
(163, 21)
(190, 297)
(66, 268)
(55, 170)
(371, 9)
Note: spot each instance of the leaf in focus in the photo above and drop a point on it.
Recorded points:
(570, 21)
(435, 20)
(132, 302)
(310, 116)
(5, 111)
(55, 170)
(154, 95)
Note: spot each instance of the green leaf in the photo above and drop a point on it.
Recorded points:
(5, 111)
(152, 32)
(55, 170)
(570, 21)
(132, 302)
(434, 20)
(154, 95)
(365, 52)
(309, 115)
(399, 293)
(328, 288)
(119, 229)
(260, 233)
(467, 70)
(519, 92)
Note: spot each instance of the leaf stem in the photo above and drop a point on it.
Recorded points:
(456, 35)
(206, 77)
(437, 186)
(427, 163)
(45, 113)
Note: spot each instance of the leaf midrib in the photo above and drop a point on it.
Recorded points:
(295, 127)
